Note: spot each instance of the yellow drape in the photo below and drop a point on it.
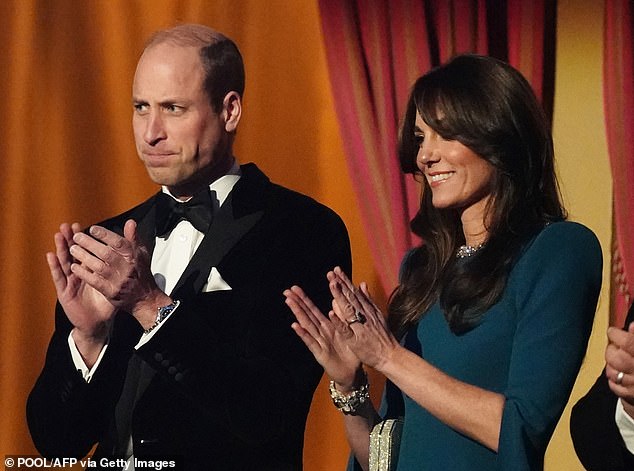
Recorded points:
(68, 154)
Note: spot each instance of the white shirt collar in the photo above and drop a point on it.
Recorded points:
(223, 185)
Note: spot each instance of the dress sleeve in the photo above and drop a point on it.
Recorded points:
(556, 285)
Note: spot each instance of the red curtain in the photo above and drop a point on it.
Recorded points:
(618, 74)
(376, 49)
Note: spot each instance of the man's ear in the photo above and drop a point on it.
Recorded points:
(231, 111)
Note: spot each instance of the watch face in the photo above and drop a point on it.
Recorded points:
(162, 314)
(165, 311)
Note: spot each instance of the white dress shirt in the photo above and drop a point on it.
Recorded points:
(625, 423)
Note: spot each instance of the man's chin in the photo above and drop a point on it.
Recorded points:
(163, 176)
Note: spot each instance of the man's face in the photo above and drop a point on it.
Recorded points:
(182, 141)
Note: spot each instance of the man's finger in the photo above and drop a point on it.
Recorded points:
(129, 231)
(113, 240)
(60, 280)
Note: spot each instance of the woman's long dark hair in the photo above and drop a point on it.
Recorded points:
(489, 107)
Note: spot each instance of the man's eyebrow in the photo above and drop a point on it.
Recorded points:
(182, 101)
(166, 102)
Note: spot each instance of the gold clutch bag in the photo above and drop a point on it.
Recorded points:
(385, 441)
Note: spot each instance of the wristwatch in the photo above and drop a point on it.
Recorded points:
(161, 314)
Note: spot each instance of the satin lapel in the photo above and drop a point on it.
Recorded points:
(225, 231)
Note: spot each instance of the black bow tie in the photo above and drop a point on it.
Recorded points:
(169, 212)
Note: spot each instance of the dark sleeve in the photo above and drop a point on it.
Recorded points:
(595, 435)
(67, 416)
(232, 355)
(556, 292)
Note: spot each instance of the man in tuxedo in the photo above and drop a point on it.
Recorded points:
(172, 339)
(602, 422)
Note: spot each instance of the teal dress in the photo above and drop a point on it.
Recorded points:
(528, 347)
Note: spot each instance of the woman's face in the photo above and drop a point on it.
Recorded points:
(458, 177)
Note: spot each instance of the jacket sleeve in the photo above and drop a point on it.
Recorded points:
(595, 435)
(65, 414)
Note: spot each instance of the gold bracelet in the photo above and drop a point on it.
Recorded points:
(351, 402)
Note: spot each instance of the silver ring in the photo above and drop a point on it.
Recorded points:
(358, 317)
(619, 377)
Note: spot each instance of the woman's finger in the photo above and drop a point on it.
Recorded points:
(342, 306)
(303, 315)
(311, 343)
(369, 306)
(341, 327)
(343, 278)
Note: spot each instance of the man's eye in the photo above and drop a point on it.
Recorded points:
(140, 107)
(173, 108)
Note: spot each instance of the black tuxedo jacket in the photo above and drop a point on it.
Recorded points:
(595, 436)
(225, 383)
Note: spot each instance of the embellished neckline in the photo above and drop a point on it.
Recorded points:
(468, 250)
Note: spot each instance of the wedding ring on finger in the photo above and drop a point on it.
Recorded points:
(358, 317)
(619, 377)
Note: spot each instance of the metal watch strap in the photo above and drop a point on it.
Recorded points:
(161, 314)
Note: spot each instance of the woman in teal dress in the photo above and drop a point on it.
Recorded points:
(486, 332)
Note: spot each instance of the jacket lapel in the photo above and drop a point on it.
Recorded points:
(242, 209)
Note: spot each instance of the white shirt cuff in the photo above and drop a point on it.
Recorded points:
(625, 424)
(79, 361)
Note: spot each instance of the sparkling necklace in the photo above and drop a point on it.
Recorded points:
(468, 250)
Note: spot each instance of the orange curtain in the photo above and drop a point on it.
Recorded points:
(618, 73)
(68, 155)
(376, 49)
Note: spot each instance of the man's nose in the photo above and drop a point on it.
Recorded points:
(155, 129)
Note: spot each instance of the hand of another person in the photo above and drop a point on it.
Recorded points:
(117, 267)
(322, 336)
(367, 333)
(619, 357)
(87, 309)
